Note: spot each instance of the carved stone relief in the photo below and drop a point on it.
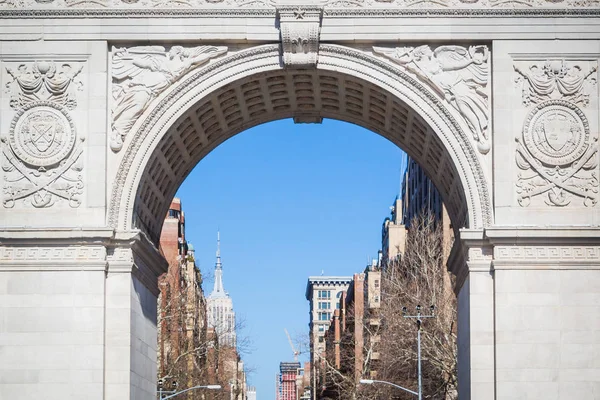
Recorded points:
(44, 81)
(141, 73)
(545, 253)
(555, 79)
(300, 28)
(41, 161)
(556, 154)
(41, 254)
(458, 74)
(330, 4)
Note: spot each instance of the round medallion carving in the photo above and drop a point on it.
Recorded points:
(42, 134)
(556, 133)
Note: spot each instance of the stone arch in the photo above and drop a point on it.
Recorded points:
(250, 87)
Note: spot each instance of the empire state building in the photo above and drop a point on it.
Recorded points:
(221, 316)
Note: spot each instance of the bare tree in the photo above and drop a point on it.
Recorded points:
(419, 277)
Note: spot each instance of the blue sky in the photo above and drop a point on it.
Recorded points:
(290, 201)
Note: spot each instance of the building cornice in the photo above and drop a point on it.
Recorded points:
(125, 12)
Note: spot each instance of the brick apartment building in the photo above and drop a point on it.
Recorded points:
(350, 343)
(189, 349)
(323, 293)
(181, 307)
(352, 338)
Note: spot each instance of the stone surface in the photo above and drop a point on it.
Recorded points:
(100, 122)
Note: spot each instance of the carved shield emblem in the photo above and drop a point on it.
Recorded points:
(557, 129)
(556, 132)
(42, 132)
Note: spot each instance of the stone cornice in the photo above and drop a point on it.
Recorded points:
(53, 13)
(68, 236)
(132, 252)
(96, 249)
(524, 248)
(522, 236)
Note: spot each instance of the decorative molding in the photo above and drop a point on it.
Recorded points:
(478, 195)
(557, 155)
(52, 254)
(120, 255)
(300, 27)
(372, 8)
(556, 79)
(457, 74)
(551, 253)
(244, 64)
(42, 157)
(480, 254)
(141, 73)
(134, 4)
(131, 151)
(44, 81)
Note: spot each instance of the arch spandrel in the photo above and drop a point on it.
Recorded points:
(249, 87)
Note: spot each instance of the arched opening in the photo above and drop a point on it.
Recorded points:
(250, 88)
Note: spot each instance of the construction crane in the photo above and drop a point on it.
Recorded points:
(296, 352)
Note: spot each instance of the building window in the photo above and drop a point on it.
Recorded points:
(173, 214)
(324, 294)
(321, 328)
(324, 305)
(337, 305)
(376, 283)
(324, 316)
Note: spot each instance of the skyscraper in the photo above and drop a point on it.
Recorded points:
(221, 316)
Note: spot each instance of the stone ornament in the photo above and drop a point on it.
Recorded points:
(546, 253)
(42, 158)
(531, 6)
(141, 73)
(42, 154)
(42, 136)
(41, 254)
(300, 28)
(44, 81)
(557, 156)
(458, 74)
(556, 79)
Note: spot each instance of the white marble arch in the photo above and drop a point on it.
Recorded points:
(435, 134)
(150, 169)
(78, 262)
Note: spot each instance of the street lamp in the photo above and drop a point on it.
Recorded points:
(419, 317)
(372, 381)
(172, 393)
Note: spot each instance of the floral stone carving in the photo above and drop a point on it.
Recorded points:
(44, 81)
(557, 156)
(556, 79)
(458, 74)
(42, 158)
(41, 162)
(141, 73)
